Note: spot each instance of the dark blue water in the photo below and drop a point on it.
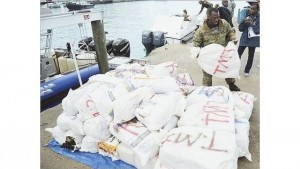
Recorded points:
(128, 20)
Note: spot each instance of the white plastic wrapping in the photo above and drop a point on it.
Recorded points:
(214, 115)
(198, 147)
(219, 61)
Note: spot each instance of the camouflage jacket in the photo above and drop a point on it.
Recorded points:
(205, 36)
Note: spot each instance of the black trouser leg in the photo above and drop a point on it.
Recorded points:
(251, 51)
(241, 50)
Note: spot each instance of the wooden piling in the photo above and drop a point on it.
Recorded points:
(100, 45)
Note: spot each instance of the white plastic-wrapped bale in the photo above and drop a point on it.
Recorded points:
(214, 115)
(243, 104)
(125, 106)
(199, 147)
(134, 134)
(64, 121)
(98, 127)
(185, 83)
(242, 137)
(127, 154)
(156, 112)
(89, 144)
(219, 61)
(214, 93)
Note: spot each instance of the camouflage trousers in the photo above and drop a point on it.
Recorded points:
(207, 79)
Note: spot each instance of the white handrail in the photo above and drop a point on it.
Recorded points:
(50, 21)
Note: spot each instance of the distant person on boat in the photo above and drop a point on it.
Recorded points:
(185, 15)
(215, 30)
(205, 4)
(252, 21)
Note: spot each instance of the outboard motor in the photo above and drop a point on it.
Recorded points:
(109, 47)
(147, 40)
(83, 44)
(158, 39)
(121, 47)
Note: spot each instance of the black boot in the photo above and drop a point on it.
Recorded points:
(233, 87)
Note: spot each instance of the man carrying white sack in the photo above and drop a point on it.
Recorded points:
(218, 31)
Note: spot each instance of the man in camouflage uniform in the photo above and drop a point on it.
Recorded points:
(215, 30)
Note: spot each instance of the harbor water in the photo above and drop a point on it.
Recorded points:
(127, 20)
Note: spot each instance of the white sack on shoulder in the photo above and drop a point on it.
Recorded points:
(219, 61)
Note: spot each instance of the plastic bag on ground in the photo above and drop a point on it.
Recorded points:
(109, 148)
(76, 137)
(58, 134)
(219, 61)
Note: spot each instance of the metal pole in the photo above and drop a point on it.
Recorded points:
(100, 44)
(74, 59)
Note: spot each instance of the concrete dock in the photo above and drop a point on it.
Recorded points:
(181, 55)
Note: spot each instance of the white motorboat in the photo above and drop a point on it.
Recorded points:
(170, 30)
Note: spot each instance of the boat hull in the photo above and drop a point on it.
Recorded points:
(74, 7)
(52, 92)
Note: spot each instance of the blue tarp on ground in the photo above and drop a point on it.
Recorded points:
(94, 160)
